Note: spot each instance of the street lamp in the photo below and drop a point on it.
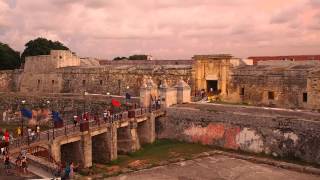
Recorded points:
(84, 99)
(84, 125)
(23, 102)
(48, 106)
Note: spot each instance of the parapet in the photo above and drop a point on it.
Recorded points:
(49, 63)
(212, 57)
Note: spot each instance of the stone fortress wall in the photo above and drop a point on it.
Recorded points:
(275, 86)
(9, 80)
(236, 80)
(118, 80)
(283, 134)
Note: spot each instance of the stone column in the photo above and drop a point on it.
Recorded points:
(112, 142)
(145, 93)
(128, 140)
(224, 78)
(146, 130)
(135, 143)
(148, 89)
(183, 92)
(164, 95)
(55, 149)
(86, 148)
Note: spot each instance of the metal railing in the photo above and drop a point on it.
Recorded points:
(69, 127)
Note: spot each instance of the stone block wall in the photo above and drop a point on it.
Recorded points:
(48, 63)
(116, 81)
(169, 95)
(285, 134)
(41, 83)
(314, 90)
(270, 86)
(6, 81)
(10, 80)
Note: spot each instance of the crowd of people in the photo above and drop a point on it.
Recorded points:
(21, 162)
(65, 170)
(155, 102)
(4, 156)
(33, 133)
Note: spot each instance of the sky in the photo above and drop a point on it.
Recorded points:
(166, 29)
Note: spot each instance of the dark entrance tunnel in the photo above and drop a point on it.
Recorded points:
(212, 84)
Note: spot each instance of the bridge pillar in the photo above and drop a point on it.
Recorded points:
(105, 145)
(128, 140)
(135, 143)
(86, 150)
(146, 130)
(55, 150)
(112, 142)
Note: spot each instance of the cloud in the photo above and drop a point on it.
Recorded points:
(165, 28)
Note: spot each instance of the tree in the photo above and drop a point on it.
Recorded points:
(41, 46)
(9, 58)
(138, 57)
(120, 58)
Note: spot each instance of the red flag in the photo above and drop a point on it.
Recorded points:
(115, 103)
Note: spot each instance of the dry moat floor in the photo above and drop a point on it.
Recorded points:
(162, 161)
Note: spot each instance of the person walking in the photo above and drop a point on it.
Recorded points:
(7, 163)
(67, 171)
(75, 121)
(29, 134)
(58, 170)
(71, 170)
(18, 163)
(33, 135)
(105, 114)
(2, 155)
(19, 131)
(24, 164)
(38, 131)
(6, 136)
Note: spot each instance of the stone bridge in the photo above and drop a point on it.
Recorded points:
(100, 142)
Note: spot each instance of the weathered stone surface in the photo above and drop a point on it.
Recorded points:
(236, 81)
(217, 167)
(284, 133)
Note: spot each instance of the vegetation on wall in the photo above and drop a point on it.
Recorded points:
(120, 58)
(41, 46)
(9, 58)
(133, 57)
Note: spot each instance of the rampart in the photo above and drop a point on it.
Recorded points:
(146, 62)
(287, 86)
(279, 133)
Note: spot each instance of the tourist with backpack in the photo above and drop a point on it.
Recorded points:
(67, 172)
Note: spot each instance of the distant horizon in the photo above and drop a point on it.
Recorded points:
(166, 29)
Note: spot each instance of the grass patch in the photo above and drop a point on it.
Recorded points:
(161, 150)
(230, 103)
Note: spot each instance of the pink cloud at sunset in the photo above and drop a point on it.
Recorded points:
(166, 29)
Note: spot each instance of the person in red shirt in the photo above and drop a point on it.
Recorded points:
(6, 136)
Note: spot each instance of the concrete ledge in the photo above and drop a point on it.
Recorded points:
(261, 160)
(41, 163)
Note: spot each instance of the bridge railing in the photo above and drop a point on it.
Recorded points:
(69, 127)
